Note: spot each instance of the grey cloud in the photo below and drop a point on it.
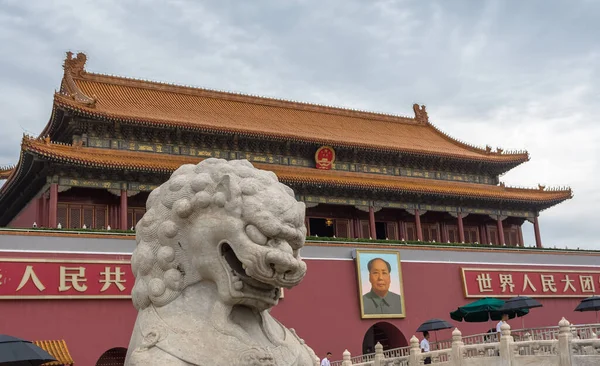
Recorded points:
(505, 73)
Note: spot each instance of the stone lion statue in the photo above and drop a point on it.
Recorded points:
(217, 243)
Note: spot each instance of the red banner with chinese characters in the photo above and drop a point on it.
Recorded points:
(505, 282)
(65, 279)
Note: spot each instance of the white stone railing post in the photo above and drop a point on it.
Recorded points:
(506, 356)
(457, 345)
(379, 357)
(346, 360)
(415, 351)
(564, 342)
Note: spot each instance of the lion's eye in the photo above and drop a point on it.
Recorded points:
(255, 235)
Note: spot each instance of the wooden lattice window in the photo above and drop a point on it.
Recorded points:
(431, 232)
(471, 234)
(391, 230)
(411, 231)
(365, 231)
(493, 234)
(100, 216)
(511, 236)
(342, 228)
(75, 215)
(453, 236)
(62, 214)
(134, 214)
(88, 216)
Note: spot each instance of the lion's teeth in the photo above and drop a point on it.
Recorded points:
(243, 266)
(238, 285)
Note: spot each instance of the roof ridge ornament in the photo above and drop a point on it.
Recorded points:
(420, 113)
(75, 68)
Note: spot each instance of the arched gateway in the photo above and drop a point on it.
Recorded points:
(385, 333)
(113, 357)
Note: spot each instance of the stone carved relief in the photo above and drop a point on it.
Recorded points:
(217, 243)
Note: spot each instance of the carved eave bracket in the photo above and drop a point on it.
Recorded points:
(311, 204)
(498, 217)
(117, 192)
(366, 208)
(412, 212)
(455, 214)
(75, 68)
(62, 188)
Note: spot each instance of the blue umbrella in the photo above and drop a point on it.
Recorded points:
(19, 352)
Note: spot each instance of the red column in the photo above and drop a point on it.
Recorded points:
(53, 206)
(123, 214)
(500, 231)
(418, 225)
(521, 243)
(372, 223)
(461, 228)
(483, 237)
(536, 230)
(44, 214)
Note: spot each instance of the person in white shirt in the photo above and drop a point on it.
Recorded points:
(425, 347)
(325, 361)
(503, 320)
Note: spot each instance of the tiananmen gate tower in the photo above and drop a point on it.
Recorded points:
(369, 181)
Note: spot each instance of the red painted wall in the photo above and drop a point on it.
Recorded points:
(324, 310)
(89, 327)
(27, 216)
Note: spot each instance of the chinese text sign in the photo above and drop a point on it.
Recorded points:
(50, 278)
(502, 282)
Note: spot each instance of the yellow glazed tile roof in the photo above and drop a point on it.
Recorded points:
(145, 161)
(58, 349)
(151, 103)
(5, 172)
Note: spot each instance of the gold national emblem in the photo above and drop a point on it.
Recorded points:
(324, 157)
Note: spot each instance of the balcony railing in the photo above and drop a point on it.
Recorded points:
(486, 343)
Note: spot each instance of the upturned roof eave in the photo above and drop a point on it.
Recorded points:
(558, 196)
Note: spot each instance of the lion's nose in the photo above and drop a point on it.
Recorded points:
(282, 262)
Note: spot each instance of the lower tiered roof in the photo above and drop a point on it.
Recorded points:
(43, 149)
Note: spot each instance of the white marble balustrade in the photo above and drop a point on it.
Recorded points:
(565, 345)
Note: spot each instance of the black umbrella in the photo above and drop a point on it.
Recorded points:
(432, 325)
(520, 303)
(590, 304)
(19, 352)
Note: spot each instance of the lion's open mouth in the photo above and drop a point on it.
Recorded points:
(241, 279)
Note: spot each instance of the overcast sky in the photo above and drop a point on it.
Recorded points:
(514, 74)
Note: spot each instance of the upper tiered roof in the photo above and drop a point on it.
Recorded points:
(151, 103)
